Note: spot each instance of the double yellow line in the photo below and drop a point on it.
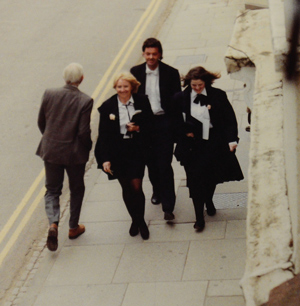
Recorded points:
(121, 58)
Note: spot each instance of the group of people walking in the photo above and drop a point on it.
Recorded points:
(138, 127)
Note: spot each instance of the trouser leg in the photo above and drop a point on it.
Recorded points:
(161, 172)
(153, 172)
(166, 178)
(199, 208)
(54, 182)
(77, 188)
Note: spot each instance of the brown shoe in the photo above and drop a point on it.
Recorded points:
(52, 242)
(76, 232)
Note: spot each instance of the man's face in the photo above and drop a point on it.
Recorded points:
(152, 56)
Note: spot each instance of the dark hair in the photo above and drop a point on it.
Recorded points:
(153, 43)
(199, 73)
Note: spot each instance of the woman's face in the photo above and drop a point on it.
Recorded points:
(124, 89)
(197, 85)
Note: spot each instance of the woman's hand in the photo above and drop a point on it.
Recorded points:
(190, 135)
(232, 146)
(106, 167)
(131, 127)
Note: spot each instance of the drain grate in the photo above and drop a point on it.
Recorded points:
(230, 200)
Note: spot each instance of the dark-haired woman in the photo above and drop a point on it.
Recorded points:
(124, 134)
(208, 140)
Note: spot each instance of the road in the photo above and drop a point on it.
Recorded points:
(38, 39)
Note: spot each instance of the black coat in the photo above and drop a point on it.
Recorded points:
(108, 146)
(208, 157)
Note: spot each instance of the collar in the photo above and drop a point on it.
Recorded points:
(194, 94)
(129, 102)
(149, 71)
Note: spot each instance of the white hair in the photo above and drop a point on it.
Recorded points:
(73, 73)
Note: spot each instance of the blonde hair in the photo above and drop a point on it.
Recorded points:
(127, 76)
(73, 73)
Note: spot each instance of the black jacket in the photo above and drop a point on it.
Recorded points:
(109, 140)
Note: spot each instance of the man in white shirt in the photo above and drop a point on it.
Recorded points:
(160, 82)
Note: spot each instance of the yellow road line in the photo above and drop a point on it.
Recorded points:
(21, 226)
(136, 33)
(21, 206)
(125, 46)
(129, 50)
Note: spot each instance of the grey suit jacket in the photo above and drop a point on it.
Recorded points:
(64, 121)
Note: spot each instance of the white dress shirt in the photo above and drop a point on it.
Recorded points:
(201, 113)
(126, 112)
(152, 90)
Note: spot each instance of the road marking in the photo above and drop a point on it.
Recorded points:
(122, 50)
(21, 206)
(21, 226)
(136, 34)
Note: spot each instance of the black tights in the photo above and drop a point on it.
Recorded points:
(205, 196)
(133, 197)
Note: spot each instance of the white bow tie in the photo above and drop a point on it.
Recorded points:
(149, 71)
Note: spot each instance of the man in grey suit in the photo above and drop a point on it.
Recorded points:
(64, 121)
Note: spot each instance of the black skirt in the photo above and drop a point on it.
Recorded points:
(130, 163)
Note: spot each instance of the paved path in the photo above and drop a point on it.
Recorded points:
(176, 266)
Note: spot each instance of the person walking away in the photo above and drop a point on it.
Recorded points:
(64, 121)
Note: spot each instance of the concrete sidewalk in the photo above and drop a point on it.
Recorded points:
(176, 266)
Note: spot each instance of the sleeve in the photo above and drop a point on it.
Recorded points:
(148, 117)
(41, 116)
(176, 81)
(102, 145)
(229, 118)
(84, 130)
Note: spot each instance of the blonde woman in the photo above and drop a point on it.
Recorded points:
(123, 140)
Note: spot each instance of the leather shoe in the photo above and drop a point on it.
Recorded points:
(155, 199)
(210, 209)
(144, 230)
(199, 226)
(52, 242)
(169, 216)
(76, 232)
(134, 229)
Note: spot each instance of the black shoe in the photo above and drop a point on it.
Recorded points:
(155, 199)
(134, 229)
(199, 226)
(210, 208)
(144, 230)
(169, 216)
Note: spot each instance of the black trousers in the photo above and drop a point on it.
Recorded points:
(54, 185)
(159, 162)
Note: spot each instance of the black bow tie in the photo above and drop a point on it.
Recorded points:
(202, 99)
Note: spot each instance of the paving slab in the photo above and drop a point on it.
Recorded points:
(87, 295)
(166, 294)
(215, 259)
(152, 262)
(83, 265)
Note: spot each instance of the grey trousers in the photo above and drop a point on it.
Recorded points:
(54, 185)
